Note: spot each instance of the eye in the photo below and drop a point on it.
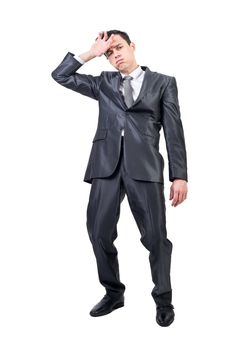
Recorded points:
(119, 47)
(108, 53)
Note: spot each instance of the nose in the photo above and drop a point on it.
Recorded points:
(116, 54)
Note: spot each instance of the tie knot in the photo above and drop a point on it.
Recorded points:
(127, 77)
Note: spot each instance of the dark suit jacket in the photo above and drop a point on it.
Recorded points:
(156, 106)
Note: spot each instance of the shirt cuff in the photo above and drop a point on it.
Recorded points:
(79, 59)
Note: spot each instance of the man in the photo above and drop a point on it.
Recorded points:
(134, 103)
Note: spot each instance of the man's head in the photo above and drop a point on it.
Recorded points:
(121, 52)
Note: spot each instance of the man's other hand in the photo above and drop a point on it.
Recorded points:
(178, 192)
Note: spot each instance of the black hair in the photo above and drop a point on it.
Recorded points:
(123, 35)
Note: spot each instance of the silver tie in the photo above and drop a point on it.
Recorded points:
(128, 90)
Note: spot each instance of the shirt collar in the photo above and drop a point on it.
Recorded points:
(135, 73)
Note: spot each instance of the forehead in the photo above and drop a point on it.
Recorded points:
(117, 39)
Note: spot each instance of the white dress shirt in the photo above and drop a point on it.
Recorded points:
(136, 82)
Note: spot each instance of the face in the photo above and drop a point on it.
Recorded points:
(121, 54)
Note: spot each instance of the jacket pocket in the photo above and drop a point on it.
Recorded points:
(100, 134)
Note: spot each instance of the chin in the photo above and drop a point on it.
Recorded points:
(122, 67)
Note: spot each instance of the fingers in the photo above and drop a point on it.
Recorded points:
(178, 192)
(171, 193)
(184, 196)
(175, 199)
(178, 197)
(98, 37)
(111, 38)
(104, 36)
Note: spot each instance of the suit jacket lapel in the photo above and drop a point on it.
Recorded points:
(115, 91)
(145, 85)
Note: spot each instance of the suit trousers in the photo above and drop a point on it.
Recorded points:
(147, 204)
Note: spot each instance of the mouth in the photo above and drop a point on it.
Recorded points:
(119, 61)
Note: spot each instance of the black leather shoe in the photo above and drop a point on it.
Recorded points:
(165, 315)
(106, 305)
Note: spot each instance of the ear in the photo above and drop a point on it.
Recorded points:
(133, 46)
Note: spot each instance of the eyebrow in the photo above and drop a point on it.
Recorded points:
(112, 47)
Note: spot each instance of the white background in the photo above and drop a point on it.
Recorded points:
(48, 276)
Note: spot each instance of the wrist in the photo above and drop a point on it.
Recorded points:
(87, 56)
(179, 180)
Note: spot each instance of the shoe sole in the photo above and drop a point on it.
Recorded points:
(117, 306)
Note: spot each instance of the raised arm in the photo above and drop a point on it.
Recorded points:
(65, 74)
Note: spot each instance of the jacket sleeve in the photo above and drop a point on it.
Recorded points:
(65, 74)
(173, 132)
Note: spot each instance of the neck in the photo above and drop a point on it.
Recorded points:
(129, 70)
